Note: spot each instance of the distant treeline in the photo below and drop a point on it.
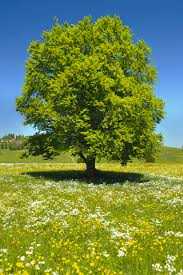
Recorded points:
(12, 142)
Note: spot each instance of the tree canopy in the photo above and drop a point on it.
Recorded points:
(89, 88)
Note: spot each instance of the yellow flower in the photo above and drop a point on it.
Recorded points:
(20, 264)
(33, 262)
(76, 267)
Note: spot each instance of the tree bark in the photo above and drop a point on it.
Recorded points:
(90, 166)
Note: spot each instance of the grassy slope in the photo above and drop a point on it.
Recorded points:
(8, 156)
(170, 155)
(167, 155)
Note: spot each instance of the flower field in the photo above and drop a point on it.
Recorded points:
(54, 221)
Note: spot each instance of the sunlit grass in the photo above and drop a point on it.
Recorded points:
(174, 170)
(70, 226)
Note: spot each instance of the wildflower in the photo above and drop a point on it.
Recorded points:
(37, 267)
(41, 262)
(33, 262)
(175, 234)
(121, 252)
(48, 270)
(22, 258)
(157, 267)
(20, 264)
(29, 252)
(4, 250)
(117, 234)
(170, 264)
(105, 254)
(74, 212)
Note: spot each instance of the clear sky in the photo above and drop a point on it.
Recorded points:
(158, 22)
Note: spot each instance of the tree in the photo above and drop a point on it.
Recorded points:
(8, 137)
(89, 87)
(152, 150)
(12, 142)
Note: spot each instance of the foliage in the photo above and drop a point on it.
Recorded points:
(152, 150)
(89, 88)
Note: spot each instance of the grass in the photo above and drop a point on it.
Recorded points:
(10, 156)
(167, 155)
(55, 221)
(170, 155)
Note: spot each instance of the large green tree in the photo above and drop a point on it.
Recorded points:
(89, 87)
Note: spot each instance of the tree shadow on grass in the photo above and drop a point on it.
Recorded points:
(101, 177)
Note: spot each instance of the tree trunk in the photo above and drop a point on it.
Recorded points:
(90, 166)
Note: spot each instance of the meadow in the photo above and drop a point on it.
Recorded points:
(166, 155)
(53, 220)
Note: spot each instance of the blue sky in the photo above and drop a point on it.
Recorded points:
(159, 23)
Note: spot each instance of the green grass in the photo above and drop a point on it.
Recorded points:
(54, 221)
(167, 155)
(170, 155)
(10, 156)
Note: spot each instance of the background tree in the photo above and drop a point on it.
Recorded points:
(89, 88)
(12, 142)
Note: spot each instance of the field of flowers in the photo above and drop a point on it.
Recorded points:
(55, 221)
